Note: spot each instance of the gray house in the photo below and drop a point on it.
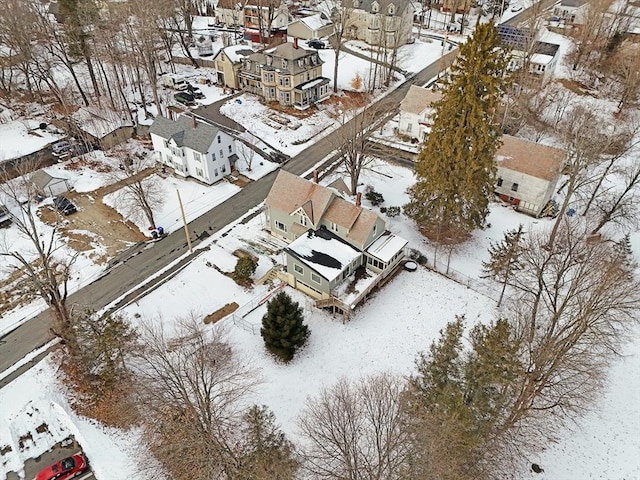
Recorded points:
(329, 238)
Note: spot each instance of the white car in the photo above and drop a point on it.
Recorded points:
(61, 149)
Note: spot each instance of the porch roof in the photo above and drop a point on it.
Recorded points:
(323, 252)
(316, 82)
(386, 246)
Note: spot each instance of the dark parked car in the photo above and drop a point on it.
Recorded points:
(64, 205)
(64, 469)
(317, 44)
(185, 98)
(195, 91)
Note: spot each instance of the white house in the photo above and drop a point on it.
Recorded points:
(387, 23)
(542, 60)
(528, 173)
(193, 148)
(416, 112)
(571, 11)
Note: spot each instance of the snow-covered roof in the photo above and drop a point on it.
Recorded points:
(99, 122)
(541, 59)
(315, 22)
(324, 252)
(418, 99)
(385, 247)
(313, 83)
(236, 53)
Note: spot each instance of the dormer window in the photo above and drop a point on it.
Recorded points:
(375, 7)
(284, 63)
(356, 4)
(269, 61)
(391, 10)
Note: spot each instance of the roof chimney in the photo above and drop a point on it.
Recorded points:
(358, 199)
(295, 42)
(315, 176)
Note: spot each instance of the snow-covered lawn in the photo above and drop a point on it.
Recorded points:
(22, 137)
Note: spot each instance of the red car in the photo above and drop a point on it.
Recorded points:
(64, 469)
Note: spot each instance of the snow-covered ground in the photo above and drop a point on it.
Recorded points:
(22, 137)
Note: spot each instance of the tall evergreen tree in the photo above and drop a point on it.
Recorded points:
(283, 329)
(504, 259)
(456, 168)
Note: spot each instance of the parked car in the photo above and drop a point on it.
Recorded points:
(64, 469)
(61, 149)
(516, 7)
(185, 98)
(64, 205)
(5, 217)
(195, 91)
(317, 44)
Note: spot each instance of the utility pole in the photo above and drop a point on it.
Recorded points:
(184, 222)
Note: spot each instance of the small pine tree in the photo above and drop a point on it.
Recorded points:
(504, 259)
(283, 329)
(245, 267)
(266, 452)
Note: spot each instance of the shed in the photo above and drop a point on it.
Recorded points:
(49, 185)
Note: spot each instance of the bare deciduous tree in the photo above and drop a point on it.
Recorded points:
(192, 386)
(141, 191)
(46, 267)
(355, 431)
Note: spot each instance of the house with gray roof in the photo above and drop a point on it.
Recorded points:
(287, 74)
(387, 23)
(572, 12)
(48, 184)
(329, 238)
(193, 148)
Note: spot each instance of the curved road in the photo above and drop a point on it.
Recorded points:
(149, 259)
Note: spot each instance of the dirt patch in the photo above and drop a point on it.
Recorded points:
(5, 449)
(348, 100)
(219, 314)
(95, 228)
(576, 87)
(42, 428)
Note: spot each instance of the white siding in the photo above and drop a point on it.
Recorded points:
(533, 193)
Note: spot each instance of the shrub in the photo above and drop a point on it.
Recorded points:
(393, 211)
(245, 267)
(374, 197)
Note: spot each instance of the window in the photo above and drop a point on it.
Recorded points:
(219, 139)
(409, 127)
(284, 81)
(334, 227)
(221, 154)
(197, 157)
(514, 187)
(375, 228)
(199, 172)
(316, 278)
(499, 182)
(215, 172)
(303, 220)
(280, 226)
(298, 268)
(391, 10)
(166, 144)
(229, 148)
(375, 7)
(284, 63)
(224, 168)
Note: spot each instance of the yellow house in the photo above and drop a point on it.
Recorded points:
(228, 62)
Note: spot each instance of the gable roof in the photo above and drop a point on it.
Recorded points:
(530, 158)
(418, 99)
(290, 192)
(315, 22)
(289, 52)
(401, 5)
(99, 122)
(42, 178)
(186, 132)
(573, 3)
